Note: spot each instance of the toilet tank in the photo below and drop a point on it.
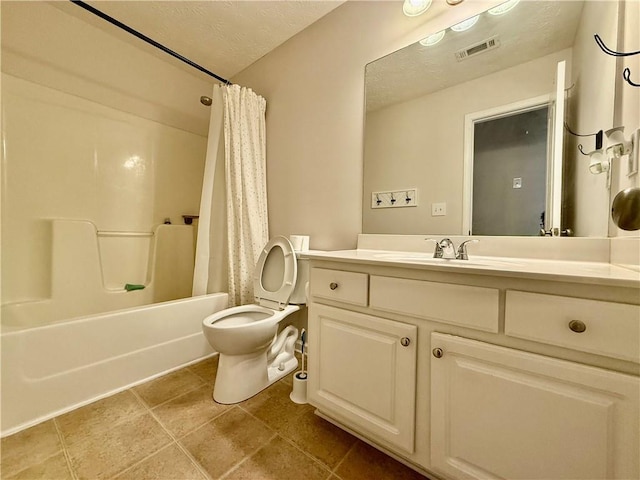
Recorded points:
(299, 295)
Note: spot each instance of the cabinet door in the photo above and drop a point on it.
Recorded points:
(361, 373)
(502, 413)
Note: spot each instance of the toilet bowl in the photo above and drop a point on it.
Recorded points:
(252, 353)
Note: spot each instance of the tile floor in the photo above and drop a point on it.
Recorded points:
(170, 428)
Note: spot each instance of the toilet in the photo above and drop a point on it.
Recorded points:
(252, 353)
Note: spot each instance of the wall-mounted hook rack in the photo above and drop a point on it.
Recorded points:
(407, 197)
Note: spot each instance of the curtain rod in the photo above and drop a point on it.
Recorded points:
(150, 41)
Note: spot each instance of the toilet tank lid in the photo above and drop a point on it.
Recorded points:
(278, 298)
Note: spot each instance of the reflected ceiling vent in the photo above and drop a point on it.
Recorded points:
(478, 48)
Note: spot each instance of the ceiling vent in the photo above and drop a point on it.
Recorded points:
(478, 48)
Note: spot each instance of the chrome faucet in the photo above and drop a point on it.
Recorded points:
(446, 249)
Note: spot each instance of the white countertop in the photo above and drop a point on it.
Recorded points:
(568, 271)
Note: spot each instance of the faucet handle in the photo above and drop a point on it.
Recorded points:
(437, 252)
(462, 249)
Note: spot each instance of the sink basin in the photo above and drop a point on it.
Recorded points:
(428, 258)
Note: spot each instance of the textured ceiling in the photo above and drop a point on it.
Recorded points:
(224, 37)
(531, 30)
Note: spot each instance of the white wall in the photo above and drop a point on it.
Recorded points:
(431, 146)
(59, 45)
(314, 86)
(627, 103)
(591, 108)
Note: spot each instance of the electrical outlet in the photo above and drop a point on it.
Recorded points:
(438, 209)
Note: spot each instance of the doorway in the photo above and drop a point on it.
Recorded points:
(507, 170)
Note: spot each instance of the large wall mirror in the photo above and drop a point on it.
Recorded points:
(468, 130)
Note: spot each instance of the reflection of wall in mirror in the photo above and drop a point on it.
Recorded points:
(590, 108)
(427, 133)
(627, 101)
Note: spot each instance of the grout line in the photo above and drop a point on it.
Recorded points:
(316, 460)
(144, 402)
(245, 459)
(177, 443)
(335, 469)
(142, 460)
(292, 443)
(66, 453)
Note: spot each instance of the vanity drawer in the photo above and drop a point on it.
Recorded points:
(346, 287)
(473, 307)
(612, 329)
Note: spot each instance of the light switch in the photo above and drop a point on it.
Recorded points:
(438, 209)
(517, 182)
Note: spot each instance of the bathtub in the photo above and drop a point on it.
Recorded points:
(53, 369)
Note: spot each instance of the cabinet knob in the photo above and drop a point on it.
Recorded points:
(333, 285)
(405, 341)
(437, 352)
(577, 326)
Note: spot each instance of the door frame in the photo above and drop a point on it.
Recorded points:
(470, 119)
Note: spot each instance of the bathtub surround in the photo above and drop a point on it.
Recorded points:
(86, 191)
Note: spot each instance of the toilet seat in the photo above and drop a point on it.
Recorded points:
(278, 299)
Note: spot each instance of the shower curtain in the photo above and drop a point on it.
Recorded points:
(231, 237)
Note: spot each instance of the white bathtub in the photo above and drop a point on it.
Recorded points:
(52, 369)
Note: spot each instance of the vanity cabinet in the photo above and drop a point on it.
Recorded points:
(363, 370)
(483, 375)
(502, 413)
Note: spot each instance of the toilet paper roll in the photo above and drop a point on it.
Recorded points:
(300, 242)
(299, 392)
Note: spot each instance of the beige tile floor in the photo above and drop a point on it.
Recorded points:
(170, 428)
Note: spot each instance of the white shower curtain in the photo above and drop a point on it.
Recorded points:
(246, 182)
(233, 225)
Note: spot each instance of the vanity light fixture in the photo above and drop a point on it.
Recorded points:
(503, 7)
(413, 8)
(466, 24)
(432, 39)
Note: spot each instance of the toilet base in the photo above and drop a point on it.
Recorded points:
(241, 377)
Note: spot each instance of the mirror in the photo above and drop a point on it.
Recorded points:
(430, 108)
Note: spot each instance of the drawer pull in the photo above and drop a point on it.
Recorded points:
(405, 341)
(577, 326)
(437, 352)
(333, 285)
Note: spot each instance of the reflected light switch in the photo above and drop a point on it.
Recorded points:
(438, 209)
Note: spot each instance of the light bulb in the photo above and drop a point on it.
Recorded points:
(503, 7)
(432, 39)
(413, 8)
(465, 25)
